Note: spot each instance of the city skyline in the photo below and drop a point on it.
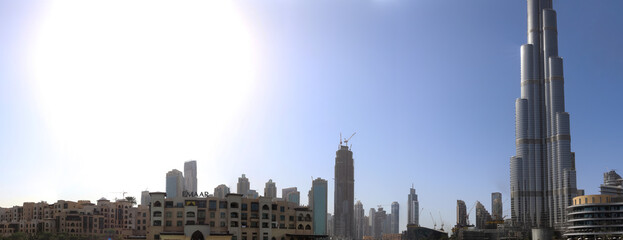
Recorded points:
(388, 107)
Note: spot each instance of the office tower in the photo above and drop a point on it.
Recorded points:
(543, 176)
(175, 183)
(395, 222)
(145, 198)
(344, 198)
(613, 184)
(413, 211)
(461, 213)
(270, 190)
(387, 224)
(372, 218)
(190, 176)
(318, 204)
(252, 194)
(291, 195)
(482, 216)
(496, 206)
(360, 225)
(380, 217)
(221, 191)
(243, 185)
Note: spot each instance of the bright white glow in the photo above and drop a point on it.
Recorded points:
(130, 87)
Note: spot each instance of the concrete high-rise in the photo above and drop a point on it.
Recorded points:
(291, 195)
(360, 224)
(190, 176)
(543, 175)
(221, 191)
(343, 207)
(175, 183)
(380, 218)
(270, 190)
(461, 214)
(243, 186)
(613, 184)
(395, 219)
(496, 206)
(482, 216)
(318, 204)
(413, 211)
(372, 218)
(145, 199)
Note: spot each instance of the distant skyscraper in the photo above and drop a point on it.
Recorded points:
(145, 198)
(270, 190)
(243, 185)
(461, 213)
(543, 175)
(613, 184)
(482, 216)
(372, 218)
(291, 195)
(318, 204)
(330, 224)
(221, 191)
(344, 197)
(496, 206)
(175, 183)
(395, 222)
(252, 194)
(360, 224)
(413, 211)
(380, 219)
(190, 176)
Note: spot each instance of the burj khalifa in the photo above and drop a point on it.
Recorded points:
(543, 176)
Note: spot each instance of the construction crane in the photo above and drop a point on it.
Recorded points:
(470, 210)
(441, 219)
(434, 223)
(346, 140)
(123, 194)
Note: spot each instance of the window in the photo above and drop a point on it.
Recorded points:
(300, 227)
(254, 224)
(211, 214)
(291, 218)
(282, 209)
(255, 206)
(307, 227)
(223, 215)
(157, 214)
(168, 204)
(233, 224)
(274, 207)
(201, 214)
(265, 207)
(254, 216)
(264, 215)
(157, 223)
(211, 223)
(190, 222)
(222, 204)
(233, 205)
(234, 215)
(273, 218)
(223, 224)
(244, 207)
(282, 225)
(201, 204)
(179, 223)
(180, 214)
(168, 214)
(243, 216)
(144, 214)
(212, 205)
(168, 223)
(265, 225)
(190, 214)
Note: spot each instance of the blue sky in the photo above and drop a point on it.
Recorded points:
(102, 97)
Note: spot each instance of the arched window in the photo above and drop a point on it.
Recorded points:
(233, 205)
(156, 204)
(300, 226)
(308, 217)
(190, 214)
(197, 236)
(265, 207)
(307, 227)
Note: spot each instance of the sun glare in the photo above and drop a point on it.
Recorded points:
(141, 80)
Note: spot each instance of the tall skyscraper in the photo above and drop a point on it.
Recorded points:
(413, 211)
(482, 216)
(372, 218)
(380, 218)
(395, 223)
(190, 176)
(243, 185)
(496, 206)
(291, 195)
(145, 199)
(543, 177)
(461, 213)
(318, 204)
(221, 191)
(360, 224)
(343, 207)
(175, 183)
(270, 190)
(613, 184)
